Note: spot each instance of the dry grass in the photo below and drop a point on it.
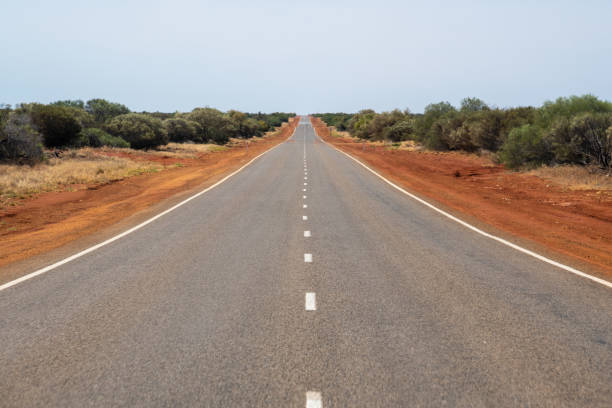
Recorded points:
(186, 150)
(576, 177)
(171, 150)
(74, 170)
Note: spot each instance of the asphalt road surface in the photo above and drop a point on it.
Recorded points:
(304, 280)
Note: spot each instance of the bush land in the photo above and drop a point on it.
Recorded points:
(573, 130)
(29, 128)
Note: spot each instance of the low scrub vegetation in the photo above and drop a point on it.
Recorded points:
(29, 128)
(80, 166)
(568, 131)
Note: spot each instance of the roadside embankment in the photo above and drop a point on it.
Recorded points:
(573, 223)
(49, 220)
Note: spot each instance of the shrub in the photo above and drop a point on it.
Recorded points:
(77, 103)
(525, 146)
(571, 106)
(182, 130)
(215, 126)
(473, 105)
(57, 124)
(20, 142)
(139, 130)
(95, 137)
(103, 110)
(400, 131)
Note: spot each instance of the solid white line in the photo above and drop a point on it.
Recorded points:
(129, 231)
(308, 258)
(477, 230)
(313, 400)
(311, 301)
(307, 234)
(305, 217)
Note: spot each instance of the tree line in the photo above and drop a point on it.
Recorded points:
(30, 127)
(572, 130)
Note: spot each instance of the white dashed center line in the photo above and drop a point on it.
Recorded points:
(303, 189)
(313, 400)
(311, 301)
(304, 217)
(304, 197)
(305, 206)
(305, 184)
(308, 258)
(307, 234)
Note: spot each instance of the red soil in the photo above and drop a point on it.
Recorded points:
(575, 224)
(51, 220)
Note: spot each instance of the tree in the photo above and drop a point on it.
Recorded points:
(95, 137)
(77, 103)
(358, 125)
(139, 130)
(103, 110)
(433, 112)
(57, 124)
(20, 142)
(401, 130)
(525, 145)
(215, 126)
(473, 105)
(182, 130)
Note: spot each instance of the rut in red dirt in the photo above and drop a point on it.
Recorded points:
(51, 220)
(575, 224)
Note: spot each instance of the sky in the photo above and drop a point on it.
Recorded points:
(306, 56)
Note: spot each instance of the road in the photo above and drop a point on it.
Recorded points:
(304, 280)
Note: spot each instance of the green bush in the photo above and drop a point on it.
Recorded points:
(95, 137)
(103, 110)
(215, 125)
(401, 130)
(583, 139)
(58, 124)
(182, 130)
(20, 142)
(139, 130)
(525, 146)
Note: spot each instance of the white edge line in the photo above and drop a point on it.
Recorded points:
(129, 231)
(473, 228)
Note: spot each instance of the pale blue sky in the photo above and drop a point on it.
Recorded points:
(303, 56)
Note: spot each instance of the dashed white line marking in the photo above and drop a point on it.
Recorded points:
(305, 178)
(305, 217)
(304, 197)
(305, 206)
(305, 184)
(311, 301)
(308, 258)
(303, 189)
(313, 400)
(307, 234)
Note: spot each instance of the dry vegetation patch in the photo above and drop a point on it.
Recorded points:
(187, 150)
(72, 170)
(576, 177)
